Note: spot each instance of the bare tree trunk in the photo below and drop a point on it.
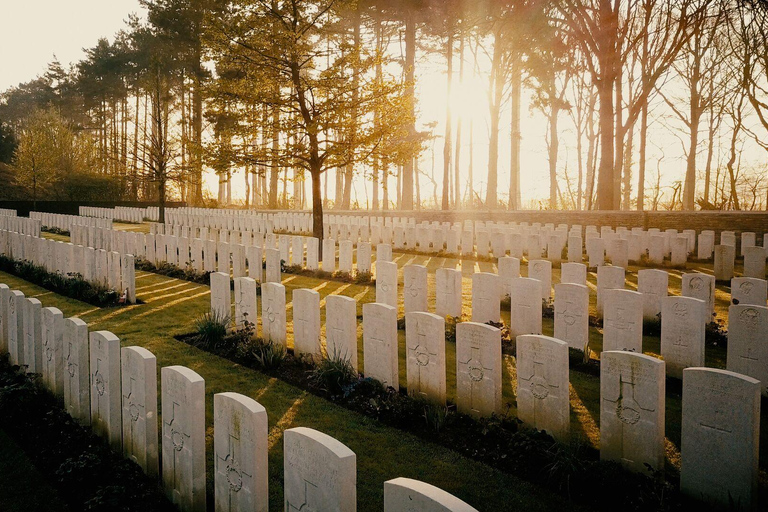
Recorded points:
(497, 85)
(457, 159)
(406, 201)
(447, 149)
(515, 198)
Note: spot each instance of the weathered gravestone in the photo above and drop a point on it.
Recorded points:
(653, 284)
(53, 350)
(77, 376)
(415, 288)
(575, 273)
(623, 321)
(320, 473)
(486, 296)
(106, 405)
(747, 347)
(509, 268)
(725, 256)
(405, 494)
(478, 369)
(682, 333)
(16, 309)
(632, 410)
(240, 451)
(700, 286)
(273, 313)
(754, 262)
(273, 266)
(386, 282)
(608, 278)
(183, 437)
(5, 293)
(748, 290)
(246, 307)
(380, 348)
(341, 328)
(448, 292)
(306, 323)
(139, 408)
(221, 297)
(542, 271)
(542, 384)
(572, 314)
(525, 307)
(719, 438)
(425, 355)
(33, 336)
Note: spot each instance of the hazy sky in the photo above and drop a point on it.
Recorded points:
(32, 31)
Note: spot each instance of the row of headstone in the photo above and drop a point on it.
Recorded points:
(110, 270)
(65, 222)
(632, 384)
(22, 225)
(114, 391)
(122, 213)
(6, 212)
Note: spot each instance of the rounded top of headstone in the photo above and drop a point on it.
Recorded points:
(182, 371)
(333, 445)
(244, 401)
(421, 495)
(138, 351)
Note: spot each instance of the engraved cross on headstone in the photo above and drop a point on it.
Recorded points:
(309, 503)
(176, 434)
(474, 368)
(229, 468)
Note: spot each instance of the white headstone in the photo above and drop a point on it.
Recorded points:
(306, 323)
(139, 406)
(425, 355)
(53, 350)
(329, 255)
(246, 308)
(33, 336)
(725, 256)
(572, 314)
(754, 262)
(542, 384)
(748, 290)
(575, 273)
(183, 441)
(486, 296)
(273, 322)
(720, 438)
(106, 404)
(509, 268)
(478, 369)
(623, 321)
(341, 328)
(16, 309)
(405, 494)
(747, 347)
(632, 410)
(380, 347)
(654, 285)
(320, 473)
(240, 452)
(682, 333)
(415, 288)
(608, 278)
(525, 307)
(386, 282)
(448, 292)
(542, 271)
(77, 390)
(273, 266)
(700, 286)
(221, 297)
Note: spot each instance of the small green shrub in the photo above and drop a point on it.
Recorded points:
(334, 374)
(266, 355)
(211, 331)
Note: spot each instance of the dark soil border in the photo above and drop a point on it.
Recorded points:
(85, 472)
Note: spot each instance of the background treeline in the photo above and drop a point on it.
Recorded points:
(288, 90)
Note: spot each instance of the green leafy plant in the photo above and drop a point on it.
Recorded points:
(211, 331)
(334, 373)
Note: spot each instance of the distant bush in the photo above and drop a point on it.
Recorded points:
(69, 285)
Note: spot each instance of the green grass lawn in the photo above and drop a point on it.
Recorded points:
(171, 306)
